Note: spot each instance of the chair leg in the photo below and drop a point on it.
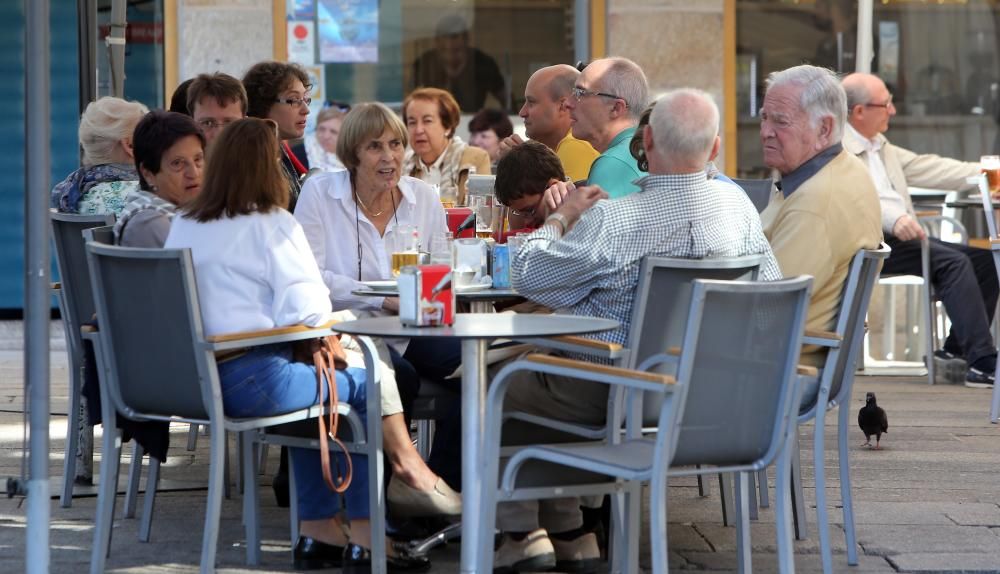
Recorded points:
(262, 459)
(213, 506)
(424, 438)
(658, 524)
(134, 476)
(106, 491)
(751, 480)
(149, 500)
(744, 560)
(726, 494)
(783, 504)
(765, 500)
(822, 519)
(192, 437)
(293, 504)
(701, 484)
(72, 432)
(239, 461)
(845, 486)
(798, 500)
(226, 478)
(995, 403)
(927, 302)
(250, 511)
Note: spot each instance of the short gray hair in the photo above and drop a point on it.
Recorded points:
(822, 94)
(103, 124)
(625, 79)
(685, 123)
(857, 95)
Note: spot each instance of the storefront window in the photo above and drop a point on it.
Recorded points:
(483, 51)
(939, 59)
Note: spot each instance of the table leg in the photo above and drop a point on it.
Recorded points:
(473, 410)
(479, 306)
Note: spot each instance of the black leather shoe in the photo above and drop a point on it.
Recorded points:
(311, 554)
(358, 560)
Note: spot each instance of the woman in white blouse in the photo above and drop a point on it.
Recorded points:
(255, 271)
(353, 217)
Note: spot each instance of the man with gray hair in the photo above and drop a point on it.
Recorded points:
(825, 207)
(585, 258)
(608, 99)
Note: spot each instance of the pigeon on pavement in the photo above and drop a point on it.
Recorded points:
(872, 420)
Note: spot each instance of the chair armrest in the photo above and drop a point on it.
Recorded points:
(821, 338)
(591, 371)
(267, 336)
(921, 214)
(801, 369)
(581, 345)
(924, 218)
(56, 286)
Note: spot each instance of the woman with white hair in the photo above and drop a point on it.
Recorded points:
(108, 173)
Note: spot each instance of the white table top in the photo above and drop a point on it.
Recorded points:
(482, 326)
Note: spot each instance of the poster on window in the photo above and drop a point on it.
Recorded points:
(300, 9)
(888, 52)
(348, 31)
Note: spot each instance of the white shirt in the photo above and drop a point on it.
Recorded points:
(336, 227)
(253, 272)
(432, 173)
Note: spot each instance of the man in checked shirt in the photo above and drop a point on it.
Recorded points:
(585, 258)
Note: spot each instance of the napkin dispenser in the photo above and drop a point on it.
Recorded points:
(426, 298)
(471, 257)
(455, 216)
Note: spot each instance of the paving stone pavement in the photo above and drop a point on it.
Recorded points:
(927, 502)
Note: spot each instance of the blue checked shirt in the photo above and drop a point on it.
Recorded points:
(594, 269)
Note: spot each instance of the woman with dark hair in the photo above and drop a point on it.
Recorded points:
(436, 155)
(254, 271)
(279, 91)
(487, 129)
(169, 151)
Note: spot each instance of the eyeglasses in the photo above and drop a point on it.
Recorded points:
(885, 105)
(208, 124)
(527, 212)
(295, 102)
(580, 93)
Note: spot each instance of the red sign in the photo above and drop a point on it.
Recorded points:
(139, 32)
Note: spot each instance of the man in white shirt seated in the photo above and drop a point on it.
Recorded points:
(585, 259)
(963, 277)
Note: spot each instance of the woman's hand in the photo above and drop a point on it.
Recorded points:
(555, 195)
(391, 305)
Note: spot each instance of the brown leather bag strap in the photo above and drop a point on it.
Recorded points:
(324, 358)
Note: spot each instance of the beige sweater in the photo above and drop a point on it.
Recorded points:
(819, 228)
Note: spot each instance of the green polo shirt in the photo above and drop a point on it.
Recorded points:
(616, 169)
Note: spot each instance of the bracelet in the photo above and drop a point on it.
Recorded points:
(560, 219)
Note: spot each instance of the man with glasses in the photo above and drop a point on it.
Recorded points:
(214, 101)
(963, 277)
(585, 258)
(607, 101)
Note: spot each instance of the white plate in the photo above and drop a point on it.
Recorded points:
(474, 288)
(389, 285)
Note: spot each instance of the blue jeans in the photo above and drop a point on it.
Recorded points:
(267, 382)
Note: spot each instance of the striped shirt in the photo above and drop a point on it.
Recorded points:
(594, 269)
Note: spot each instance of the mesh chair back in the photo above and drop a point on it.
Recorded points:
(741, 383)
(151, 332)
(71, 259)
(104, 235)
(758, 190)
(662, 301)
(856, 296)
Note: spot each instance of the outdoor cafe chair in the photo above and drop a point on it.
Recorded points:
(741, 341)
(76, 307)
(832, 389)
(758, 190)
(991, 226)
(172, 376)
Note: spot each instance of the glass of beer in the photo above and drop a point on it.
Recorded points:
(990, 165)
(405, 247)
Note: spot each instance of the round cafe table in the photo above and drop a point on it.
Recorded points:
(476, 330)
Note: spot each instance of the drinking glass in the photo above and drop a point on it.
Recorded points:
(441, 248)
(405, 244)
(990, 165)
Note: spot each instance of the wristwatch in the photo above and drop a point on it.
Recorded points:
(560, 219)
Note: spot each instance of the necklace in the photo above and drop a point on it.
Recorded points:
(368, 210)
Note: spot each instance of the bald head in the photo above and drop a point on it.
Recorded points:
(545, 114)
(869, 104)
(557, 80)
(682, 133)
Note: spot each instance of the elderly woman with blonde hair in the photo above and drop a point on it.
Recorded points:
(107, 174)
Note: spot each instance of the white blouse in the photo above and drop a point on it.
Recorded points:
(341, 235)
(253, 272)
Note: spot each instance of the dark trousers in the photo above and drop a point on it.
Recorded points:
(965, 280)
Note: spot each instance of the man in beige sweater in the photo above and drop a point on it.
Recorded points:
(963, 277)
(825, 207)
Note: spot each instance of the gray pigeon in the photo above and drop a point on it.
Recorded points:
(872, 420)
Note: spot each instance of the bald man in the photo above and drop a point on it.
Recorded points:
(964, 277)
(547, 120)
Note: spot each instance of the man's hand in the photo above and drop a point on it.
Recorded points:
(391, 304)
(508, 143)
(580, 200)
(906, 228)
(555, 195)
